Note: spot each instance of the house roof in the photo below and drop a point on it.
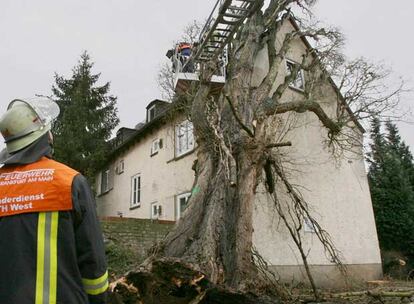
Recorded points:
(157, 102)
(125, 130)
(138, 134)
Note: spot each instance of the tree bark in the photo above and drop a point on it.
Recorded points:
(216, 230)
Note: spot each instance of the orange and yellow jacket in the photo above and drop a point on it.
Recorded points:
(51, 246)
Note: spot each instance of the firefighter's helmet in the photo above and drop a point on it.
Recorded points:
(27, 120)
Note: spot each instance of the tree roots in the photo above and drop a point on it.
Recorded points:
(170, 281)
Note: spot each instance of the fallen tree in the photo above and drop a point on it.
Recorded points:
(209, 256)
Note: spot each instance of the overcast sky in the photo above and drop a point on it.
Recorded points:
(128, 39)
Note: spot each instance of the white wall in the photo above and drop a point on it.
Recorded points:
(162, 178)
(335, 188)
(339, 198)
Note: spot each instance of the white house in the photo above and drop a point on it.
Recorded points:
(149, 175)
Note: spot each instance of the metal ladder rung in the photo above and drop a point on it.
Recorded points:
(229, 22)
(223, 30)
(211, 45)
(232, 15)
(237, 8)
(212, 50)
(220, 36)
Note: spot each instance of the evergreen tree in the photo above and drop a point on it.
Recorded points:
(375, 157)
(401, 149)
(88, 114)
(391, 189)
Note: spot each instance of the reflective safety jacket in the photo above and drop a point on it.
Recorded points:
(51, 247)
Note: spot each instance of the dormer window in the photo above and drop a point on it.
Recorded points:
(155, 108)
(151, 113)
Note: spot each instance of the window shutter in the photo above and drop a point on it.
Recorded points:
(111, 177)
(98, 183)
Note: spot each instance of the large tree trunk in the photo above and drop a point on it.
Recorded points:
(216, 230)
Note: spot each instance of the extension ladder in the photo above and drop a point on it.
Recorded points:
(218, 31)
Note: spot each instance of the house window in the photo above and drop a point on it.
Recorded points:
(136, 191)
(184, 139)
(308, 226)
(105, 180)
(181, 204)
(151, 113)
(156, 210)
(156, 146)
(120, 167)
(299, 81)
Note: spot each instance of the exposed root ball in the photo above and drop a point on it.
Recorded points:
(169, 281)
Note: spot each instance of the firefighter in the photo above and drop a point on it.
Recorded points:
(185, 49)
(51, 246)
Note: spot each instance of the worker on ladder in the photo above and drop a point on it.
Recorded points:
(184, 51)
